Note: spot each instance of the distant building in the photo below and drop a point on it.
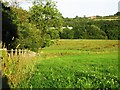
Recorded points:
(92, 17)
(62, 27)
(67, 27)
(119, 6)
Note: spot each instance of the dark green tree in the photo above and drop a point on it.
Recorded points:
(9, 28)
(44, 15)
(67, 33)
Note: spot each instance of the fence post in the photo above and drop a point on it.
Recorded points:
(16, 52)
(25, 52)
(11, 53)
(22, 52)
(28, 52)
(19, 51)
(4, 52)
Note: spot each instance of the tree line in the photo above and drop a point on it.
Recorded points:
(43, 22)
(84, 28)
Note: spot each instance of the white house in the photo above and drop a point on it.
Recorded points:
(62, 27)
(67, 27)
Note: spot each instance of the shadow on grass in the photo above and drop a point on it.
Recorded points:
(5, 84)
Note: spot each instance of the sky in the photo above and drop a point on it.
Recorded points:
(72, 8)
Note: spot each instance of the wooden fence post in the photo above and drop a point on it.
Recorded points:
(28, 52)
(19, 51)
(16, 52)
(4, 51)
(11, 53)
(25, 52)
(22, 52)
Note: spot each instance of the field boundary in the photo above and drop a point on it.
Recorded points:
(18, 52)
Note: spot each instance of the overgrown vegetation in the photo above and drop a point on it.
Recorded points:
(16, 69)
(30, 29)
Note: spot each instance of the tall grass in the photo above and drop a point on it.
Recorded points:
(16, 69)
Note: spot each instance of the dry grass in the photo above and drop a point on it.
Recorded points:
(17, 68)
(78, 47)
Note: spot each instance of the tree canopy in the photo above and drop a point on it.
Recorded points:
(45, 16)
(43, 22)
(30, 29)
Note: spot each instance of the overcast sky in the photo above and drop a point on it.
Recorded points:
(72, 8)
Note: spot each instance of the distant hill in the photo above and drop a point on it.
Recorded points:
(110, 17)
(117, 14)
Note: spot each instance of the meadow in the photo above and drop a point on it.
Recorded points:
(77, 64)
(76, 60)
(65, 64)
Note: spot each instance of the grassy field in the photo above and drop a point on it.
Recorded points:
(77, 64)
(65, 64)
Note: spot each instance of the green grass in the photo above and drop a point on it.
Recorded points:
(77, 64)
(76, 47)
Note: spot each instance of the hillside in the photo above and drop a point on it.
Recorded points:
(92, 28)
